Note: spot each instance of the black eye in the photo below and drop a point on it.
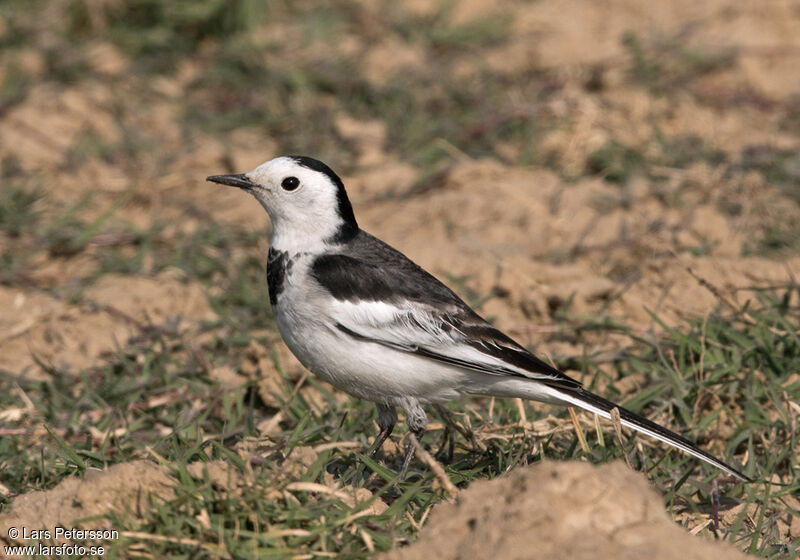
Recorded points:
(290, 183)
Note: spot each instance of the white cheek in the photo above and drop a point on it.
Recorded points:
(303, 221)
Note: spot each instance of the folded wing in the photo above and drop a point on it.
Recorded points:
(384, 298)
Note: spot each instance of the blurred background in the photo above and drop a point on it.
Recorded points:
(536, 153)
(571, 168)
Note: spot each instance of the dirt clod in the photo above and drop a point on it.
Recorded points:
(558, 511)
(123, 487)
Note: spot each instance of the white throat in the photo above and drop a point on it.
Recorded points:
(295, 240)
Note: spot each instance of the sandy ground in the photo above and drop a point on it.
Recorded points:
(526, 235)
(559, 511)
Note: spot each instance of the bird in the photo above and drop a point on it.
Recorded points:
(362, 316)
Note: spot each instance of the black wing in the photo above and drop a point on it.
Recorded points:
(428, 319)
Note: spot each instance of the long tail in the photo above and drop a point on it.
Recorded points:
(589, 401)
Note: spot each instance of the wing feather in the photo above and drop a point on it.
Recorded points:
(475, 347)
(383, 297)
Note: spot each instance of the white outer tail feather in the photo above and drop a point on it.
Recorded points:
(675, 440)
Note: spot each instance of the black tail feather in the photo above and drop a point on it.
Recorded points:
(594, 403)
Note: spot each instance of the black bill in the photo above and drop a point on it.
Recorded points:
(236, 180)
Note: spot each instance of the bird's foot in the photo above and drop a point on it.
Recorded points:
(465, 431)
(413, 437)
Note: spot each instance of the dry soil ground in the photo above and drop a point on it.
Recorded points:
(568, 166)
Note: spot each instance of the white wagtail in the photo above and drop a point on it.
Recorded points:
(363, 317)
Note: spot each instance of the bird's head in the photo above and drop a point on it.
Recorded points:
(305, 199)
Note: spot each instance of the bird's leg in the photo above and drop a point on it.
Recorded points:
(417, 420)
(447, 446)
(450, 424)
(387, 418)
(448, 441)
(410, 452)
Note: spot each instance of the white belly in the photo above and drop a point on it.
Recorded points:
(368, 370)
(307, 320)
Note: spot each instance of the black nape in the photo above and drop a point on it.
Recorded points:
(350, 227)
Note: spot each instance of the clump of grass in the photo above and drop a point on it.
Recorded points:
(617, 162)
(155, 32)
(682, 150)
(779, 167)
(437, 30)
(776, 238)
(18, 212)
(14, 86)
(662, 66)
